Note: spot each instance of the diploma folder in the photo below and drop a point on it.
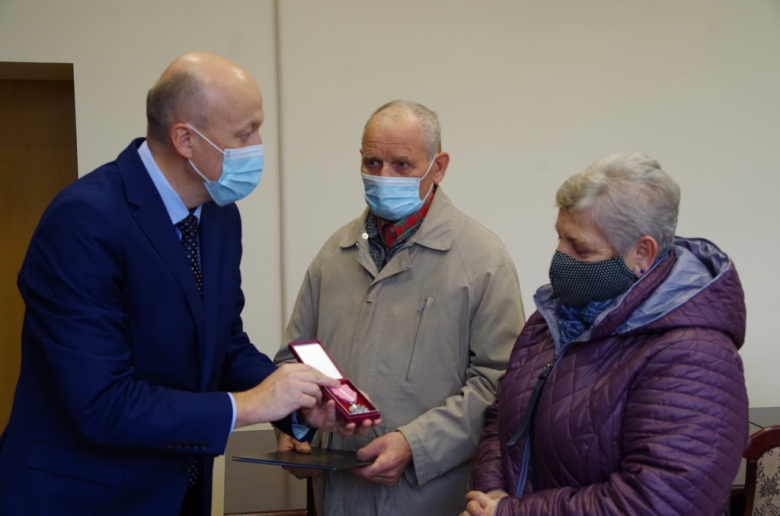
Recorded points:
(319, 458)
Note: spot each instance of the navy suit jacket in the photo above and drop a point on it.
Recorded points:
(125, 367)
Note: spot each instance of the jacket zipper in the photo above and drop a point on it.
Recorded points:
(527, 421)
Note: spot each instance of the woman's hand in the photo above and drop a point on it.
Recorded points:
(483, 504)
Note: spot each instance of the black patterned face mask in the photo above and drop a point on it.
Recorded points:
(576, 283)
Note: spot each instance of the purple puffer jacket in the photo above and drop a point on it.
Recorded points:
(646, 413)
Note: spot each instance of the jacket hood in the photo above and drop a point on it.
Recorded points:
(695, 284)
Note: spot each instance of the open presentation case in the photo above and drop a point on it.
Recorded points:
(351, 404)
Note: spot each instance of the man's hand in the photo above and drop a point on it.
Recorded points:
(324, 417)
(392, 454)
(483, 504)
(285, 443)
(289, 388)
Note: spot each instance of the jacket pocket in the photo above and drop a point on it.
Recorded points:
(419, 338)
(77, 463)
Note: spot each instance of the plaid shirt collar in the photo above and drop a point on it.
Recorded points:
(398, 232)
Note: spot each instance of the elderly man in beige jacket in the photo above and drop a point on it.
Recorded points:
(420, 306)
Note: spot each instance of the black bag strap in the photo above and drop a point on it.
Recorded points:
(530, 409)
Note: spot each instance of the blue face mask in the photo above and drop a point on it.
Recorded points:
(241, 169)
(394, 198)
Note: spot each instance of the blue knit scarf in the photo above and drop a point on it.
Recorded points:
(573, 322)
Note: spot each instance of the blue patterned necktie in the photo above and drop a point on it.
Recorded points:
(189, 240)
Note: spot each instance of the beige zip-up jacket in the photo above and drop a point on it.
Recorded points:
(427, 337)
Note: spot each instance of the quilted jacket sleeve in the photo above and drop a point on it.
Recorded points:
(683, 433)
(488, 473)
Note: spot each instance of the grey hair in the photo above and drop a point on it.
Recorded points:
(179, 95)
(631, 196)
(428, 121)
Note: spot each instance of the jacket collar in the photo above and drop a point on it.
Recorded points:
(437, 231)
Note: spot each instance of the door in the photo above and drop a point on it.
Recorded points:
(37, 159)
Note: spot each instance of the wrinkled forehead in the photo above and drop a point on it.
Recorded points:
(396, 138)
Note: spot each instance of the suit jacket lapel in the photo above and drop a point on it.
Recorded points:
(211, 244)
(153, 219)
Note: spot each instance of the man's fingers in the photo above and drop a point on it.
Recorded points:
(305, 401)
(369, 473)
(307, 388)
(306, 374)
(315, 376)
(302, 447)
(284, 443)
(371, 450)
(379, 471)
(358, 471)
(366, 425)
(330, 415)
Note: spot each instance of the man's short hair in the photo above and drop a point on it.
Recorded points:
(630, 195)
(428, 121)
(170, 100)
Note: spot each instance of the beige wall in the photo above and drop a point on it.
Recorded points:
(528, 92)
(118, 50)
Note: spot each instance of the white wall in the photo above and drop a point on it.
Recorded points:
(531, 92)
(528, 93)
(119, 49)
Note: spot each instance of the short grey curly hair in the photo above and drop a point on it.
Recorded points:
(630, 195)
(428, 121)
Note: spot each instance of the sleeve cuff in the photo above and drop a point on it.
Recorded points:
(299, 431)
(233, 422)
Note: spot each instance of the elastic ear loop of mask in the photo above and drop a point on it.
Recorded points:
(201, 135)
(212, 144)
(426, 173)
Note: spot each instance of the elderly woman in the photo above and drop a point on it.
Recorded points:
(625, 393)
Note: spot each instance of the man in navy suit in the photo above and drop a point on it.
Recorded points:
(135, 366)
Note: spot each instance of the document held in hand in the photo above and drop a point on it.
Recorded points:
(319, 458)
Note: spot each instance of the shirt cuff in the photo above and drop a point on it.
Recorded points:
(232, 423)
(299, 430)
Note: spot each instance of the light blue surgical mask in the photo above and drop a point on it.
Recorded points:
(394, 198)
(241, 169)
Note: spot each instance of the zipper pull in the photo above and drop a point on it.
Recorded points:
(548, 368)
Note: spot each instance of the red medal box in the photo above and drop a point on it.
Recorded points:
(351, 405)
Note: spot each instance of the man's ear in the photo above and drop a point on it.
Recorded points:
(181, 140)
(440, 167)
(645, 251)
